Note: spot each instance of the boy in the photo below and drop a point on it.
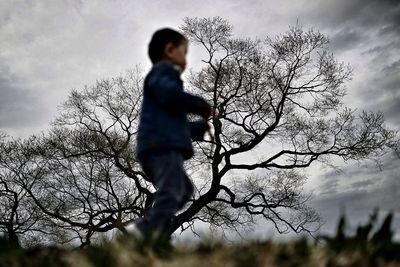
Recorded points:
(164, 133)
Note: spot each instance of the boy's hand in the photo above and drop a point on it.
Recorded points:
(206, 113)
(215, 113)
(211, 111)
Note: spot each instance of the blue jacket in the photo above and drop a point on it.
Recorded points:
(163, 124)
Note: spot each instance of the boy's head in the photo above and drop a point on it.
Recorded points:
(168, 45)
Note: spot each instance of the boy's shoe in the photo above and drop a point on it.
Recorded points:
(151, 240)
(154, 239)
(135, 232)
(157, 241)
(149, 236)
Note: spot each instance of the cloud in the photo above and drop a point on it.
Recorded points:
(357, 23)
(383, 86)
(48, 48)
(390, 82)
(391, 72)
(367, 14)
(346, 39)
(358, 191)
(18, 105)
(366, 34)
(357, 206)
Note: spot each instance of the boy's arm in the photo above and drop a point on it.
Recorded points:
(198, 129)
(165, 89)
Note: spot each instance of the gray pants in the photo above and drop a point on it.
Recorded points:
(174, 189)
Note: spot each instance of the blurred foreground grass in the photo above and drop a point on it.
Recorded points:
(368, 246)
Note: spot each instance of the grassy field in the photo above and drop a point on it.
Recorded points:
(365, 247)
(124, 253)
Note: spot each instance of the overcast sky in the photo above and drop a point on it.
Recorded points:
(49, 47)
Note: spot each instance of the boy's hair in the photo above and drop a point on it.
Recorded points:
(160, 39)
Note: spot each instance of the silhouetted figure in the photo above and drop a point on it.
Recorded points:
(164, 134)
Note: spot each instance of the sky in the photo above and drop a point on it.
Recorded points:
(49, 47)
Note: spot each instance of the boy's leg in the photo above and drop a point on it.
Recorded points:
(189, 189)
(174, 188)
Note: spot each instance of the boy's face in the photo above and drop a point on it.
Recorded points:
(177, 54)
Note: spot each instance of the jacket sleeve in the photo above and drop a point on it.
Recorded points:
(197, 129)
(164, 87)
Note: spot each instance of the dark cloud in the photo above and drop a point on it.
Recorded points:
(382, 48)
(359, 193)
(383, 87)
(391, 76)
(345, 39)
(357, 206)
(334, 182)
(368, 33)
(331, 186)
(357, 14)
(363, 184)
(351, 24)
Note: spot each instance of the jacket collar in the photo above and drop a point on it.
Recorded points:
(177, 68)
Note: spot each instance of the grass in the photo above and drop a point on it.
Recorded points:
(126, 252)
(363, 248)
